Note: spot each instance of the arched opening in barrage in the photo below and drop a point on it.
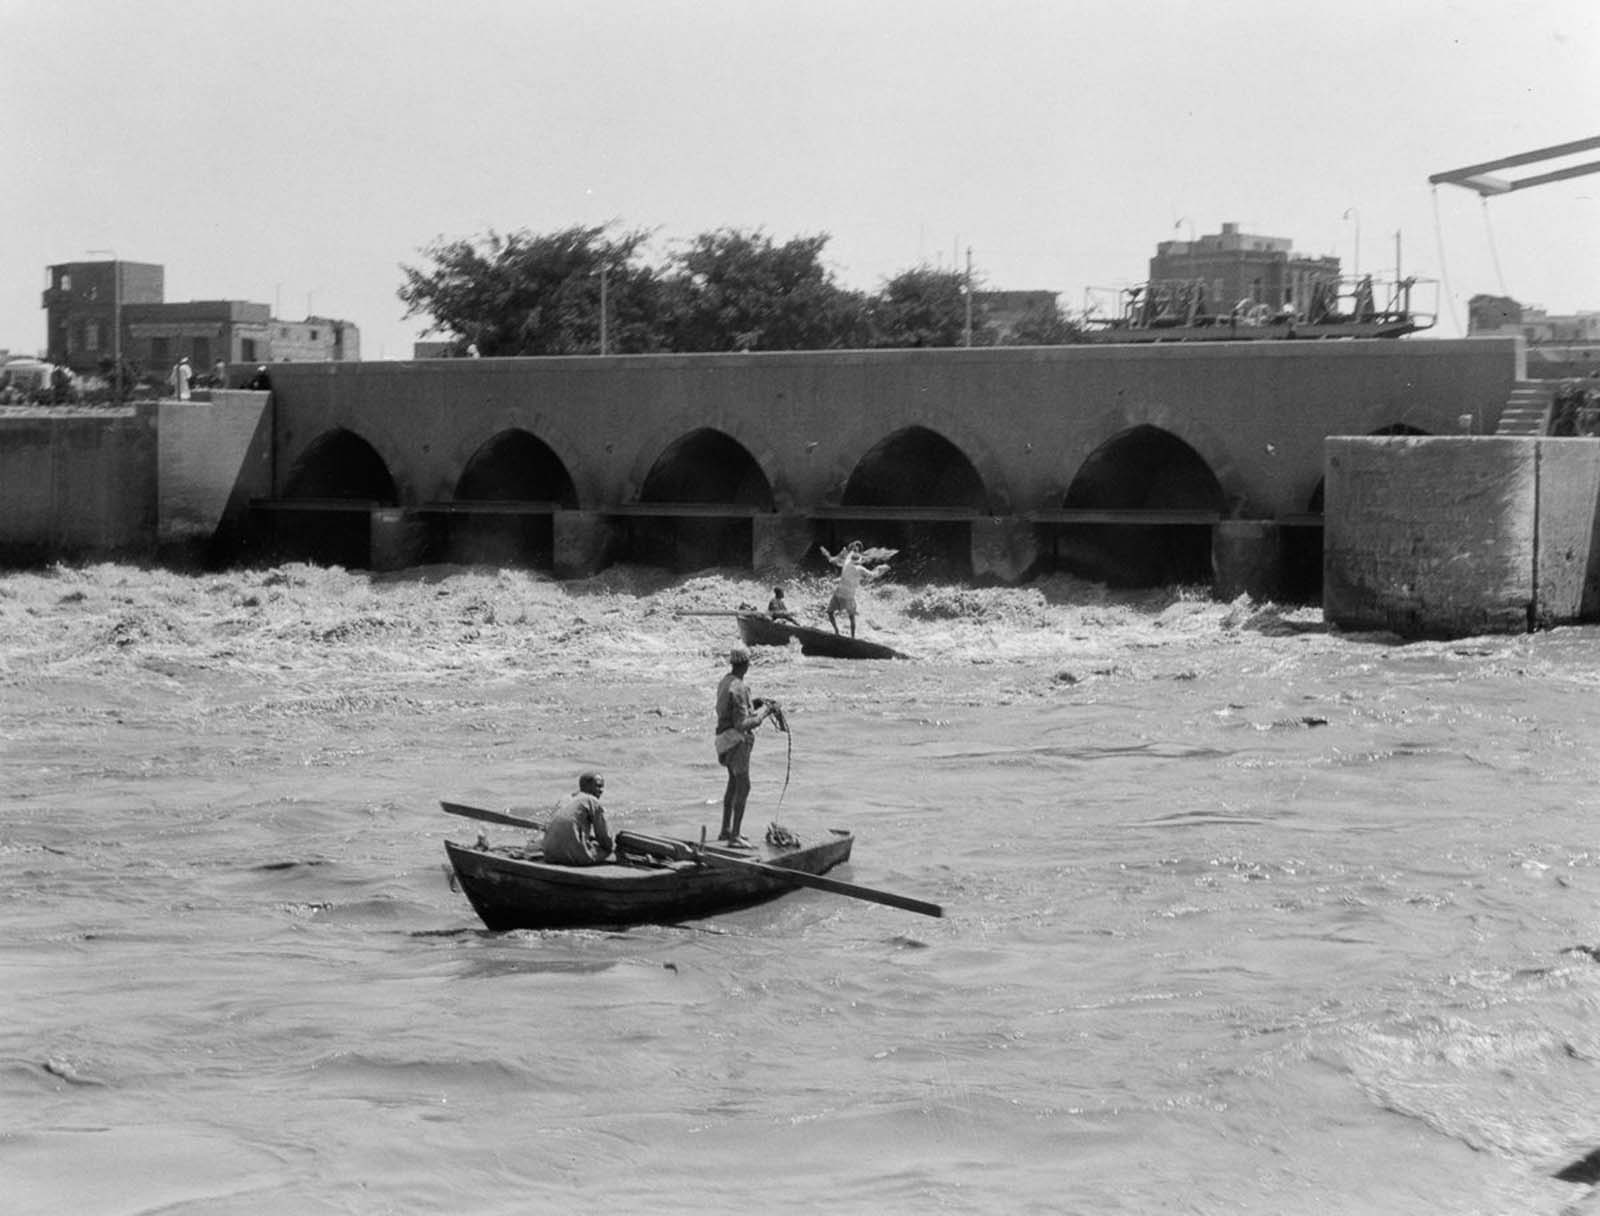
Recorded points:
(341, 465)
(502, 513)
(325, 514)
(514, 466)
(1143, 470)
(707, 466)
(708, 486)
(918, 471)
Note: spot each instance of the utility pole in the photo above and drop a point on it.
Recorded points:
(604, 336)
(969, 295)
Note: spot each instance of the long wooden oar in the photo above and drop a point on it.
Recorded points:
(473, 812)
(719, 858)
(716, 857)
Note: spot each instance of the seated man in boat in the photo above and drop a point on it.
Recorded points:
(577, 834)
(853, 571)
(738, 715)
(778, 607)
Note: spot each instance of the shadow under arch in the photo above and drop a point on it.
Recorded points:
(1143, 468)
(697, 474)
(915, 468)
(707, 466)
(505, 497)
(516, 466)
(339, 478)
(341, 465)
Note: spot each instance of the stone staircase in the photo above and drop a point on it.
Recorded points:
(1528, 410)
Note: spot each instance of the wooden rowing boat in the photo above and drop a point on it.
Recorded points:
(759, 630)
(662, 882)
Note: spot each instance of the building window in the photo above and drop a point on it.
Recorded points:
(160, 351)
(247, 350)
(91, 335)
(66, 282)
(313, 335)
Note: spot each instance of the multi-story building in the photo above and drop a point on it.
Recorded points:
(315, 340)
(1237, 266)
(87, 304)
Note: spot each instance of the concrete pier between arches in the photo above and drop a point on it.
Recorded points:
(1246, 557)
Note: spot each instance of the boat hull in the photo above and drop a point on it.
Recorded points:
(757, 630)
(519, 893)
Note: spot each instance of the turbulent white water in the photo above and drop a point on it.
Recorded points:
(1243, 915)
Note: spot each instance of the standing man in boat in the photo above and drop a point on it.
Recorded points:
(577, 834)
(853, 571)
(738, 715)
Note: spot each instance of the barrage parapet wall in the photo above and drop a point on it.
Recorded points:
(1025, 418)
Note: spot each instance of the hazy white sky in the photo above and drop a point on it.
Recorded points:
(297, 152)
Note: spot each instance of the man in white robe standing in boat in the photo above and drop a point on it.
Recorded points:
(853, 571)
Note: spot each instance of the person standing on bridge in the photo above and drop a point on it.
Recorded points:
(182, 376)
(853, 571)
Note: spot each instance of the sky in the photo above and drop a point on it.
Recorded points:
(298, 153)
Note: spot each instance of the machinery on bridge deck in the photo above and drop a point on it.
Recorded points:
(1185, 310)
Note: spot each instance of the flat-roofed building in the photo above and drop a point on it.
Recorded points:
(1240, 266)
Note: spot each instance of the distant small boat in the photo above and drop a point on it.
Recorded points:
(759, 630)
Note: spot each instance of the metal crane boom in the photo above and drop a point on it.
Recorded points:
(1479, 177)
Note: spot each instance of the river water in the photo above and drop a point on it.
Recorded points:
(1243, 915)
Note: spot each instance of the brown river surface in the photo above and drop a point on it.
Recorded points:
(1243, 915)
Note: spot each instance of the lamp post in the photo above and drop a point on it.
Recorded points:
(1355, 261)
(116, 320)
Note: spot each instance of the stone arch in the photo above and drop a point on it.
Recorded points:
(1212, 448)
(707, 466)
(508, 473)
(338, 467)
(1146, 468)
(915, 466)
(915, 469)
(704, 468)
(341, 464)
(1143, 468)
(516, 466)
(1398, 428)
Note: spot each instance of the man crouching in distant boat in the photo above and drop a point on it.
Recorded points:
(576, 834)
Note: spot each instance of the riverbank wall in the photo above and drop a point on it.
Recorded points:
(167, 481)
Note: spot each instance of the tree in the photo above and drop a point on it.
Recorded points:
(1045, 325)
(526, 294)
(735, 290)
(925, 307)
